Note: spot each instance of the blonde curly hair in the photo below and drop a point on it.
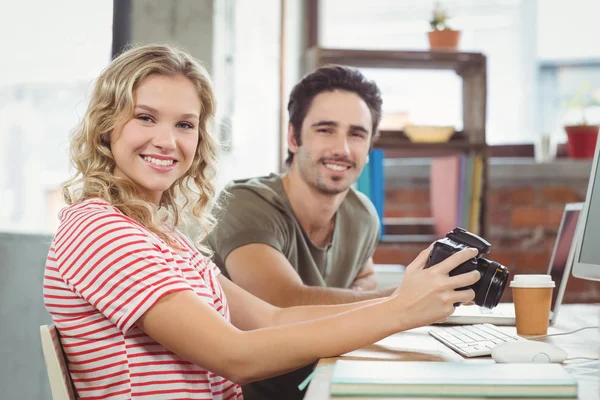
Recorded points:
(112, 104)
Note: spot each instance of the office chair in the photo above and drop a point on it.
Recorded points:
(58, 372)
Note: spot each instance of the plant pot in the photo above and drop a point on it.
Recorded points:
(581, 140)
(446, 39)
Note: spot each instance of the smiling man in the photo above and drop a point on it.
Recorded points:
(307, 237)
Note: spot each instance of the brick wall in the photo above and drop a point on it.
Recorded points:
(412, 201)
(523, 222)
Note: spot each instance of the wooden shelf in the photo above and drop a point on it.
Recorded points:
(448, 60)
(427, 151)
(397, 144)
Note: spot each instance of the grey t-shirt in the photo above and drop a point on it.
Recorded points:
(258, 210)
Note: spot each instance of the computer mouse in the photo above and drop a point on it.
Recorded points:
(528, 351)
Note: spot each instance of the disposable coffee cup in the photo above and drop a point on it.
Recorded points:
(532, 295)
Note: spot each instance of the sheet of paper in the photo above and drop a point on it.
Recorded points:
(414, 345)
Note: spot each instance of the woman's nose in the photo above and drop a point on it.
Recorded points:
(164, 139)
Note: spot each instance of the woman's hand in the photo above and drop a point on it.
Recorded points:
(429, 294)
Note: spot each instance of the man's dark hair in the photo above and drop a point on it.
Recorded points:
(327, 79)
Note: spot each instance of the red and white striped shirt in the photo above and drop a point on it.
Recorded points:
(104, 271)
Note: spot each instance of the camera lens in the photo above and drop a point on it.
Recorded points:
(490, 287)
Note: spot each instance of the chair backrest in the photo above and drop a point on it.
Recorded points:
(58, 372)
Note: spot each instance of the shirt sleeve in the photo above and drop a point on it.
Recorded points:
(115, 264)
(247, 218)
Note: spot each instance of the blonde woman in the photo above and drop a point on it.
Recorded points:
(141, 312)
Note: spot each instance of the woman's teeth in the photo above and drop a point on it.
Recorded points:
(162, 163)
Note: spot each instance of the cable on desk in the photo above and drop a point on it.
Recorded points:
(564, 333)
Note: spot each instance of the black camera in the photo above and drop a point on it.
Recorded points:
(494, 276)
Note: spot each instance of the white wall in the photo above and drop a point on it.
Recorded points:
(294, 56)
(568, 29)
(185, 23)
(53, 41)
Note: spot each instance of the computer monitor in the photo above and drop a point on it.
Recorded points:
(562, 255)
(586, 264)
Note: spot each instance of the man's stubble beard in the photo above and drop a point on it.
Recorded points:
(312, 176)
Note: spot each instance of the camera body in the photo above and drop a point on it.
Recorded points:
(494, 276)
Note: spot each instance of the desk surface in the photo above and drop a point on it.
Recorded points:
(418, 345)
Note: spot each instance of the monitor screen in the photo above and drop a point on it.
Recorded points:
(562, 246)
(587, 255)
(590, 241)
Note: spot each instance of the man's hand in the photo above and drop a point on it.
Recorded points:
(362, 284)
(365, 280)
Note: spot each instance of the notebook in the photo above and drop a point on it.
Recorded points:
(559, 268)
(450, 379)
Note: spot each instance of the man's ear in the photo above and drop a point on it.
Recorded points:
(292, 144)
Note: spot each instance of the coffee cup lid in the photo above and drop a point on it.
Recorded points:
(532, 281)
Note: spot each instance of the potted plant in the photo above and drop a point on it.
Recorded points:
(442, 37)
(581, 137)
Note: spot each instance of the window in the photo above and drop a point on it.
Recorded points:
(569, 64)
(55, 53)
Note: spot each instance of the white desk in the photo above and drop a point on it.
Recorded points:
(418, 345)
